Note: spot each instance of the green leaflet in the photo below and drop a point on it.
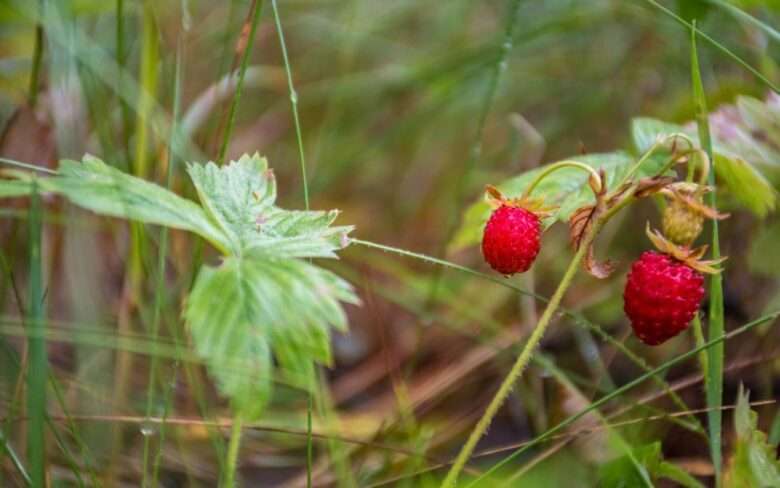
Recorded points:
(566, 188)
(239, 198)
(247, 307)
(96, 186)
(266, 299)
(754, 462)
(743, 138)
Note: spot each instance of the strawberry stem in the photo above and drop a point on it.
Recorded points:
(522, 360)
(659, 144)
(562, 164)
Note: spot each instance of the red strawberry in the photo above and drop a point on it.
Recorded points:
(662, 296)
(510, 242)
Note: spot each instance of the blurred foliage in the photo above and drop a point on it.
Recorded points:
(755, 461)
(389, 96)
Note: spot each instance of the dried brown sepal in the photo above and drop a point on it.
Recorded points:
(496, 199)
(690, 256)
(649, 186)
(581, 223)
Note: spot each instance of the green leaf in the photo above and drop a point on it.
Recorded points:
(235, 195)
(263, 301)
(239, 198)
(94, 185)
(249, 306)
(646, 132)
(566, 188)
(754, 462)
(744, 140)
(14, 188)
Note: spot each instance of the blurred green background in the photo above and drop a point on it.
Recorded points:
(407, 109)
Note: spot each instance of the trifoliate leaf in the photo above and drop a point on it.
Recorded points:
(754, 462)
(247, 307)
(566, 188)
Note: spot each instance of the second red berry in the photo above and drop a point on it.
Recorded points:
(662, 296)
(510, 242)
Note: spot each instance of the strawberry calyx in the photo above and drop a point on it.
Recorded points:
(690, 195)
(534, 205)
(691, 257)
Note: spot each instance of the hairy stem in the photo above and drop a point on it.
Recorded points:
(520, 363)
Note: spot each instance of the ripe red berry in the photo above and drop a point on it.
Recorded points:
(662, 296)
(510, 242)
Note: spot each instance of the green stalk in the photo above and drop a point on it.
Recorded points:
(231, 120)
(150, 56)
(160, 285)
(714, 373)
(293, 101)
(38, 361)
(229, 480)
(120, 62)
(521, 362)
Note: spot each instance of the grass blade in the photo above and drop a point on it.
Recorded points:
(714, 373)
(717, 45)
(257, 10)
(38, 365)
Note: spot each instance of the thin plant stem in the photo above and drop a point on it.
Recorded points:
(229, 480)
(120, 63)
(309, 439)
(160, 285)
(257, 7)
(521, 362)
(715, 319)
(560, 165)
(8, 450)
(293, 101)
(302, 157)
(29, 166)
(38, 360)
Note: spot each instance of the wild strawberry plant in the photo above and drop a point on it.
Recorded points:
(266, 299)
(664, 289)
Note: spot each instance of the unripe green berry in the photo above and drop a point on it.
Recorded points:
(682, 223)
